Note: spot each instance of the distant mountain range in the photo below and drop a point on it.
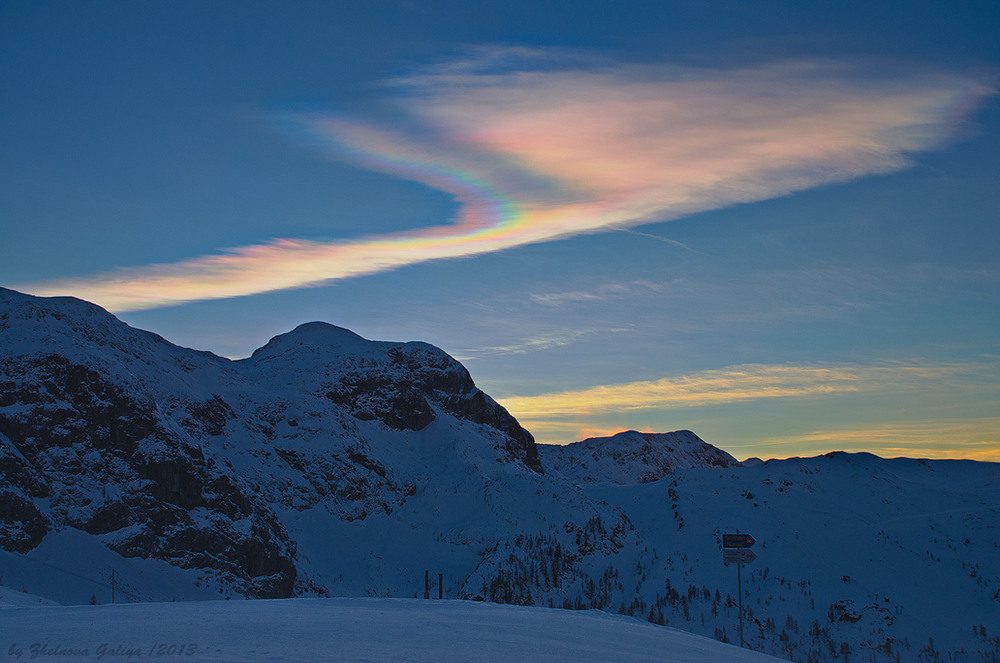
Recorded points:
(326, 464)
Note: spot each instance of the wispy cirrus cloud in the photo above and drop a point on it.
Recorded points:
(535, 148)
(541, 341)
(600, 293)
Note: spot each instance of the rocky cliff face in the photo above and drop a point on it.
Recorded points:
(402, 385)
(98, 433)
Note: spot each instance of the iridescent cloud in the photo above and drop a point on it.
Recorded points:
(535, 150)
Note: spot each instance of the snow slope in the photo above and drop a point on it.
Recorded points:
(347, 630)
(854, 552)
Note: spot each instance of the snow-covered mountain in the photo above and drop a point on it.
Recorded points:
(326, 464)
(323, 463)
(632, 457)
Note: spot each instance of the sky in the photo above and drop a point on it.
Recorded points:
(772, 223)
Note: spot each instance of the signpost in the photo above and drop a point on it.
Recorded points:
(736, 550)
(738, 541)
(737, 556)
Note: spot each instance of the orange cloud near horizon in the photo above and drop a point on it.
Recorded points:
(569, 416)
(976, 438)
(537, 154)
(732, 384)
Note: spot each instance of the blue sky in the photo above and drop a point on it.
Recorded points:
(772, 223)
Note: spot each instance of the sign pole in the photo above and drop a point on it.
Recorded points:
(739, 592)
(736, 549)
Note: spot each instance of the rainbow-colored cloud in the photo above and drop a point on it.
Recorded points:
(534, 151)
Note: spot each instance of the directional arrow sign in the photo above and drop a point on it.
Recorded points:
(738, 541)
(737, 556)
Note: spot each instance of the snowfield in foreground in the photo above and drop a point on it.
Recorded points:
(343, 630)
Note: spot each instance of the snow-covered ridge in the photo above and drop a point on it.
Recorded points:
(632, 457)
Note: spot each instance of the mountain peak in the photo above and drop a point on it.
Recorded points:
(324, 332)
(314, 335)
(633, 457)
(68, 326)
